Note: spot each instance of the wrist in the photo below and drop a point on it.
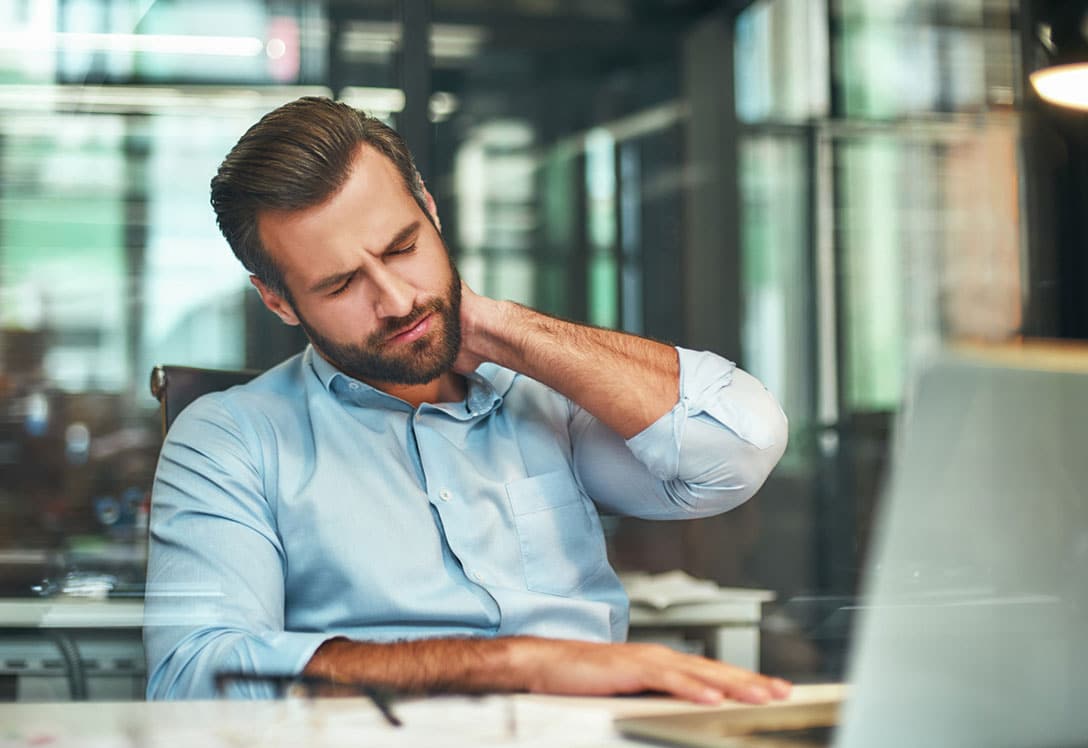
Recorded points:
(524, 657)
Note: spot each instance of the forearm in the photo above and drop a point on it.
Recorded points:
(528, 663)
(460, 665)
(626, 381)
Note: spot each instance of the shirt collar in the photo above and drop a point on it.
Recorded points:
(325, 371)
(486, 386)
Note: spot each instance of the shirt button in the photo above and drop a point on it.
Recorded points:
(478, 576)
(445, 494)
(355, 385)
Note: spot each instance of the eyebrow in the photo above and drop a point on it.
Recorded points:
(330, 281)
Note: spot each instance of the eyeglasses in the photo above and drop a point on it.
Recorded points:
(310, 687)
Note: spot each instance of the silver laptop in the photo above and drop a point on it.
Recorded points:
(976, 630)
(974, 614)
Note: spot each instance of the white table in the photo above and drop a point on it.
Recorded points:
(71, 613)
(721, 622)
(517, 720)
(43, 640)
(107, 636)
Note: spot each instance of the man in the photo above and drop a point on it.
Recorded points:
(412, 501)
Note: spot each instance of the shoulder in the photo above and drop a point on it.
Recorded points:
(525, 400)
(275, 396)
(515, 387)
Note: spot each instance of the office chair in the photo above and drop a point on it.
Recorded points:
(177, 386)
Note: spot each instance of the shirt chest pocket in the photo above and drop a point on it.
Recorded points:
(562, 543)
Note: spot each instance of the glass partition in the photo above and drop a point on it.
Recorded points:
(864, 173)
(879, 195)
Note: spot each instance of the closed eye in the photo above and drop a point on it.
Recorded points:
(391, 253)
(342, 287)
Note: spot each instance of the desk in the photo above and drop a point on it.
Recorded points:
(728, 629)
(697, 616)
(517, 720)
(55, 649)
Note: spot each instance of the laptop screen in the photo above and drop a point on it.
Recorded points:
(974, 613)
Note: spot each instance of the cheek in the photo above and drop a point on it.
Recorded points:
(435, 277)
(343, 317)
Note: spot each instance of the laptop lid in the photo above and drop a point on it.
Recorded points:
(974, 624)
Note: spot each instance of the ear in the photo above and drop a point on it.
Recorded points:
(431, 207)
(275, 303)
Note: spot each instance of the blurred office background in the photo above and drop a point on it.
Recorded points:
(826, 191)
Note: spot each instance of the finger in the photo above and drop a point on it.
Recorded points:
(749, 693)
(780, 688)
(685, 686)
(755, 687)
(740, 684)
(706, 681)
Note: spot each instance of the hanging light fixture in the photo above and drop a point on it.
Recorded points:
(1062, 75)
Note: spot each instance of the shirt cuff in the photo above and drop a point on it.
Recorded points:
(287, 652)
(279, 654)
(702, 376)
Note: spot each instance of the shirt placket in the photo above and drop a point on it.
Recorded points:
(447, 489)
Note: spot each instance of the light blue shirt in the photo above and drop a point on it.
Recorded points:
(306, 505)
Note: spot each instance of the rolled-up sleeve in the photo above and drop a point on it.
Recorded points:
(215, 586)
(712, 451)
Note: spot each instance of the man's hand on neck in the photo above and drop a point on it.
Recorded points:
(626, 381)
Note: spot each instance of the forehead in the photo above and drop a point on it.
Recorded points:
(364, 215)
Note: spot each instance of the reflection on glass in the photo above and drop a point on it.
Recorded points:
(930, 241)
(911, 58)
(110, 260)
(872, 268)
(878, 174)
(195, 286)
(561, 181)
(601, 226)
(495, 181)
(61, 227)
(777, 286)
(782, 61)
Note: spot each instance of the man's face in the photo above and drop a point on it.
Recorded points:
(416, 362)
(370, 279)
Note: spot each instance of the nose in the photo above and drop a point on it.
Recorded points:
(394, 296)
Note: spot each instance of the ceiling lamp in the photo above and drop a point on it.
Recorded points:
(1062, 74)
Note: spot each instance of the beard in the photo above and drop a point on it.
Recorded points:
(419, 362)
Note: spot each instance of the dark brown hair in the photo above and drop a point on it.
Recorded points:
(296, 157)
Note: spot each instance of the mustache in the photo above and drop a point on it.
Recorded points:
(391, 326)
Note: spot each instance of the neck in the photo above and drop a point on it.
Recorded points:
(449, 387)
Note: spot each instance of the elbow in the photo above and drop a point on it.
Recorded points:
(732, 449)
(170, 680)
(759, 461)
(759, 427)
(723, 486)
(770, 456)
(186, 668)
(164, 684)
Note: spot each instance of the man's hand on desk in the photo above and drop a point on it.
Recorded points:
(592, 669)
(551, 666)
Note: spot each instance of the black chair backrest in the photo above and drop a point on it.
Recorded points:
(177, 386)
